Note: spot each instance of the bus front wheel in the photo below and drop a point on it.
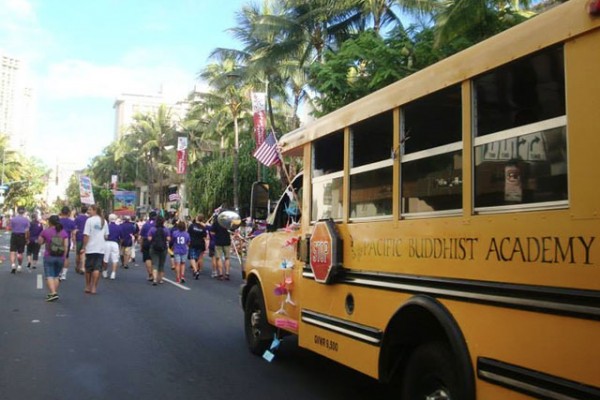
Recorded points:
(256, 326)
(430, 374)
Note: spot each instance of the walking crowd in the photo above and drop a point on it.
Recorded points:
(100, 243)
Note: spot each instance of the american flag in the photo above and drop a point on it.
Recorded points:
(267, 153)
(174, 197)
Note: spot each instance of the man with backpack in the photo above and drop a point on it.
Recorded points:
(158, 239)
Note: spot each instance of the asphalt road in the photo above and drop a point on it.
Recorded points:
(133, 340)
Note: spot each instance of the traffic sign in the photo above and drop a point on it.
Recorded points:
(325, 251)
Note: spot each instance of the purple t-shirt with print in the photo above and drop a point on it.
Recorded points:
(19, 224)
(47, 235)
(181, 241)
(80, 226)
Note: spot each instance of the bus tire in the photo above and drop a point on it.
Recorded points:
(431, 373)
(259, 333)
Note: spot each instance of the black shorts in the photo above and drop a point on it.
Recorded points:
(17, 242)
(146, 250)
(93, 262)
(33, 249)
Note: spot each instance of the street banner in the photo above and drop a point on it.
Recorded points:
(114, 182)
(260, 117)
(182, 143)
(124, 203)
(85, 190)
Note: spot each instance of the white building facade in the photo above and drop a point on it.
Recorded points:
(17, 104)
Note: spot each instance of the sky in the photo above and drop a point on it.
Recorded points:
(80, 55)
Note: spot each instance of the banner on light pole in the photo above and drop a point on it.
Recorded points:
(260, 117)
(85, 190)
(182, 143)
(114, 182)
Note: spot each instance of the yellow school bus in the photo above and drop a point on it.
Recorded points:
(443, 236)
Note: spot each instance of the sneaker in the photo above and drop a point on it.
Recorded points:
(28, 265)
(52, 297)
(104, 274)
(226, 277)
(62, 277)
(13, 270)
(150, 278)
(126, 266)
(19, 268)
(154, 283)
(182, 279)
(113, 275)
(196, 275)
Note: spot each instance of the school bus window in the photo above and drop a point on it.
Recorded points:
(432, 184)
(433, 120)
(328, 154)
(528, 90)
(371, 175)
(327, 177)
(431, 172)
(521, 138)
(522, 170)
(371, 193)
(371, 140)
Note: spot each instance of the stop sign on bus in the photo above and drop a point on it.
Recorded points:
(325, 251)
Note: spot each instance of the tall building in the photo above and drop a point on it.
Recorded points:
(128, 105)
(17, 111)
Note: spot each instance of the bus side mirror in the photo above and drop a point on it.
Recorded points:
(259, 201)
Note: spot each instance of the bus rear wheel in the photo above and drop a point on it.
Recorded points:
(431, 374)
(257, 329)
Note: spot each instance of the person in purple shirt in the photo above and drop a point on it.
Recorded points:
(69, 226)
(111, 249)
(181, 242)
(129, 231)
(19, 225)
(78, 233)
(33, 247)
(158, 237)
(146, 243)
(53, 263)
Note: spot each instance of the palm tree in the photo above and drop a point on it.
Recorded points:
(477, 20)
(226, 104)
(157, 133)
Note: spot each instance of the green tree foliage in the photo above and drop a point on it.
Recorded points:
(210, 185)
(362, 65)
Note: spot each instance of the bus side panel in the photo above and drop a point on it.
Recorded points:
(582, 56)
(329, 301)
(563, 347)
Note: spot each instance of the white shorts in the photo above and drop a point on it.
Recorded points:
(111, 252)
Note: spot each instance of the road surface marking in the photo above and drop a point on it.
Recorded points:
(40, 281)
(176, 284)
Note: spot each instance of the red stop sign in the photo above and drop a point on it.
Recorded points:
(325, 251)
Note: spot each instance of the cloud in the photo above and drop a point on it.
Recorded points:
(72, 79)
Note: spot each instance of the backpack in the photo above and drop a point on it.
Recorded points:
(159, 240)
(57, 246)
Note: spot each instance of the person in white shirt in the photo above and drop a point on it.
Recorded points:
(95, 233)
